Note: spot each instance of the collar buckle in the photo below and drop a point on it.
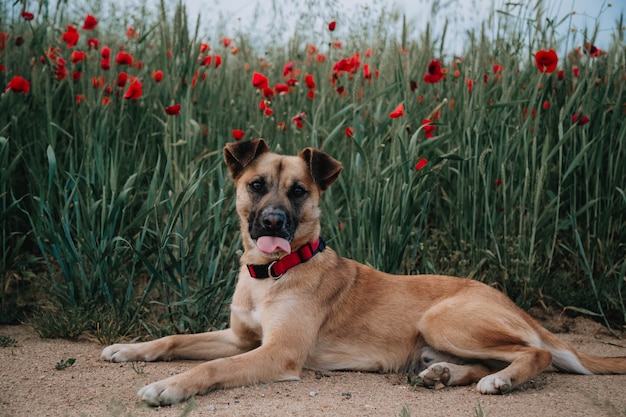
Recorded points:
(270, 273)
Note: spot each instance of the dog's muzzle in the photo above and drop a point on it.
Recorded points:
(272, 221)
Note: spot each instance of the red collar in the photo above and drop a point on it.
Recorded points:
(276, 269)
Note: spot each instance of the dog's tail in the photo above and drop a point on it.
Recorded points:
(567, 359)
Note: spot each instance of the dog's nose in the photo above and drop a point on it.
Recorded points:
(274, 220)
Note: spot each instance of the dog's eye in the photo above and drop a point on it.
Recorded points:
(257, 186)
(298, 191)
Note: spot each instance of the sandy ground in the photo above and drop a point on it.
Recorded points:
(31, 386)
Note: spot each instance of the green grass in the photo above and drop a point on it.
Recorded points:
(118, 219)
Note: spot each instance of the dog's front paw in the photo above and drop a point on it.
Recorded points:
(494, 384)
(121, 353)
(165, 392)
(436, 375)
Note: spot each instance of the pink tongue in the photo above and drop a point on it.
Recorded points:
(269, 244)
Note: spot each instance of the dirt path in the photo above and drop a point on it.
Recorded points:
(31, 386)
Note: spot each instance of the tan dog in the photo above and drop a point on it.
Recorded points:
(320, 311)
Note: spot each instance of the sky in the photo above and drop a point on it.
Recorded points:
(262, 17)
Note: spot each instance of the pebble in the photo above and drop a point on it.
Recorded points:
(313, 394)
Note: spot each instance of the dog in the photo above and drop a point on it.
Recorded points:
(298, 304)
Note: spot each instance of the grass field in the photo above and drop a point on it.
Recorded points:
(505, 163)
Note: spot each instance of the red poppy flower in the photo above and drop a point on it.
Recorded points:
(350, 131)
(90, 22)
(76, 75)
(105, 64)
(281, 88)
(92, 43)
(288, 68)
(297, 119)
(332, 25)
(98, 82)
(3, 68)
(132, 33)
(70, 36)
(264, 106)
(18, 84)
(575, 71)
(237, 134)
(268, 92)
(259, 80)
(217, 61)
(204, 47)
(27, 15)
(124, 58)
(560, 75)
(594, 52)
(173, 110)
(546, 61)
(350, 65)
(434, 73)
(546, 105)
(421, 164)
(309, 81)
(122, 77)
(470, 85)
(206, 61)
(399, 111)
(77, 56)
(134, 90)
(583, 119)
(413, 85)
(367, 73)
(157, 75)
(428, 128)
(497, 182)
(105, 52)
(4, 37)
(226, 41)
(61, 72)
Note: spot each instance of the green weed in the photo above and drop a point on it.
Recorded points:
(64, 364)
(7, 341)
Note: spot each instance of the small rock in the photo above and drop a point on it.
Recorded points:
(210, 407)
(313, 394)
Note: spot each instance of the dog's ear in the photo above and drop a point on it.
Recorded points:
(238, 155)
(323, 168)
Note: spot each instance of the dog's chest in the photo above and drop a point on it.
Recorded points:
(251, 318)
(247, 306)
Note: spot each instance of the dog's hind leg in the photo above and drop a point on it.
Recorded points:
(446, 374)
(484, 326)
(439, 369)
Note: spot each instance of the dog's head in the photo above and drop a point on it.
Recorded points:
(278, 196)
